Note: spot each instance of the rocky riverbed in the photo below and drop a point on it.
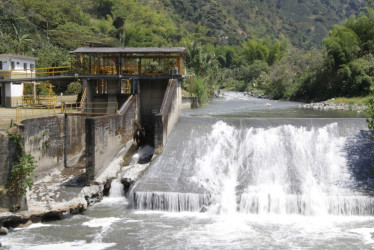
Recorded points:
(328, 105)
(64, 192)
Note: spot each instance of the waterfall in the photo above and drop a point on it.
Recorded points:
(284, 169)
(116, 189)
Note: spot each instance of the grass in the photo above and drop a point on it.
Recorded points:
(362, 101)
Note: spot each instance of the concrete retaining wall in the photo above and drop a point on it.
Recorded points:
(7, 156)
(169, 114)
(190, 103)
(45, 139)
(105, 136)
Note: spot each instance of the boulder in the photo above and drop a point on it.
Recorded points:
(77, 210)
(3, 231)
(26, 224)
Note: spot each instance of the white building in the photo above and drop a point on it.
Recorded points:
(14, 66)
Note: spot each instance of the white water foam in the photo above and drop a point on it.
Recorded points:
(102, 222)
(81, 245)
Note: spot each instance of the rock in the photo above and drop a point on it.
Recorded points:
(107, 187)
(3, 231)
(52, 215)
(77, 210)
(26, 224)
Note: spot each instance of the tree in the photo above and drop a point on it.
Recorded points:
(197, 60)
(21, 41)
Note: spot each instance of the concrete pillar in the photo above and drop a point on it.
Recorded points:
(90, 151)
(136, 91)
(114, 88)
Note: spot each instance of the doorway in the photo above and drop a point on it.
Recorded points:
(1, 95)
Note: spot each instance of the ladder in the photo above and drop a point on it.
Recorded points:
(83, 99)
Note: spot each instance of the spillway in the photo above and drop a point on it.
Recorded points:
(304, 166)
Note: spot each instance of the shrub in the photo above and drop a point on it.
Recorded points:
(20, 177)
(74, 88)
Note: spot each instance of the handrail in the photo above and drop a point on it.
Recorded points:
(93, 108)
(90, 108)
(32, 72)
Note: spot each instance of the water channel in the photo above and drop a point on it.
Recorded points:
(240, 173)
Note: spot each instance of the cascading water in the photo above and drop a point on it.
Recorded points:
(282, 169)
(116, 189)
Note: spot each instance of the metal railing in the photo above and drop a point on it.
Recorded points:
(90, 108)
(32, 73)
(34, 111)
(29, 100)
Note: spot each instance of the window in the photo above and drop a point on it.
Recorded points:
(12, 65)
(101, 87)
(25, 66)
(1, 65)
(32, 66)
(125, 86)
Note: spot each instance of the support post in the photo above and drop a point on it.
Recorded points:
(65, 140)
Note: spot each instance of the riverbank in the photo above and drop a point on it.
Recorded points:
(63, 192)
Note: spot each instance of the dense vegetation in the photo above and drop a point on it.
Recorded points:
(274, 46)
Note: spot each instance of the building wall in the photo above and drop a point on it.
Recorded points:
(15, 90)
(18, 63)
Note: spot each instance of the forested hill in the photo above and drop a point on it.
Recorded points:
(27, 25)
(279, 47)
(305, 23)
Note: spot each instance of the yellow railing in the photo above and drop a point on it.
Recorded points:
(28, 112)
(84, 96)
(90, 108)
(31, 100)
(32, 73)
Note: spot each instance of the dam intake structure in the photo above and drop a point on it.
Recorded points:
(262, 166)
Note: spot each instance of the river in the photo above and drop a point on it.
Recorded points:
(240, 173)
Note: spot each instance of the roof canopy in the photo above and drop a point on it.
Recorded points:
(11, 56)
(127, 50)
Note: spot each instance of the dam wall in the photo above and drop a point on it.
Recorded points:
(105, 136)
(169, 113)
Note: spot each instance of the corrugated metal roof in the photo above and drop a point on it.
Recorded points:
(10, 56)
(131, 50)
